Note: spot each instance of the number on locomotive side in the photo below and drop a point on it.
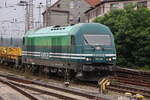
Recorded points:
(44, 55)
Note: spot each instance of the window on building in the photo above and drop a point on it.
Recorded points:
(72, 4)
(99, 11)
(58, 6)
(96, 12)
(79, 19)
(142, 4)
(88, 17)
(78, 4)
(114, 5)
(71, 18)
(93, 13)
(127, 3)
(90, 14)
(103, 8)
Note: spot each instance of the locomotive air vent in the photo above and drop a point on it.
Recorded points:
(57, 29)
(72, 24)
(56, 26)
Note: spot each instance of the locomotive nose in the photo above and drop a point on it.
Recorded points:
(100, 54)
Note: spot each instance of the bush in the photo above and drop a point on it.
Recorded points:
(131, 29)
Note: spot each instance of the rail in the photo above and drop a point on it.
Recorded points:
(24, 83)
(130, 80)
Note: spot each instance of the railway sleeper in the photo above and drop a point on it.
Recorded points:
(123, 90)
(133, 82)
(133, 77)
(132, 87)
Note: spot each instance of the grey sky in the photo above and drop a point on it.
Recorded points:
(10, 11)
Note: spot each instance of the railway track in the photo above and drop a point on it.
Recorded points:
(56, 91)
(124, 80)
(133, 81)
(133, 77)
(26, 94)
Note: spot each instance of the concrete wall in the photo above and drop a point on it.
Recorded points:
(76, 11)
(58, 18)
(148, 4)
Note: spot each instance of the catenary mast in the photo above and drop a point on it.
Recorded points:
(30, 15)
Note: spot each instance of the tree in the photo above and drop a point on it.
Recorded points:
(131, 29)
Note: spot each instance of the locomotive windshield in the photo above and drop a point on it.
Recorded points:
(97, 39)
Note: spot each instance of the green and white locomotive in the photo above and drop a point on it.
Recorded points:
(83, 49)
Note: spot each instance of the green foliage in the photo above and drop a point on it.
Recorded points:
(131, 29)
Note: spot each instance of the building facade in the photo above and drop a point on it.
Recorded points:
(106, 5)
(67, 12)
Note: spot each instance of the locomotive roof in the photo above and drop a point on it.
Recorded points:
(88, 28)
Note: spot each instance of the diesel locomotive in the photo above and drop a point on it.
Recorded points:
(82, 50)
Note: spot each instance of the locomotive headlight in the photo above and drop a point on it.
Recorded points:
(98, 48)
(109, 59)
(87, 59)
(114, 58)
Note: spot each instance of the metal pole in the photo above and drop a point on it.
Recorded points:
(40, 15)
(31, 21)
(1, 39)
(48, 12)
(39, 19)
(26, 19)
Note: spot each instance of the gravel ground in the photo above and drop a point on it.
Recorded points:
(41, 96)
(7, 93)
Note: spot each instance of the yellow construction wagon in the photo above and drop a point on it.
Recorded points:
(10, 54)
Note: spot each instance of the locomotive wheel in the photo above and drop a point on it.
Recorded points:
(19, 67)
(22, 68)
(15, 67)
(69, 74)
(40, 70)
(27, 68)
(1, 61)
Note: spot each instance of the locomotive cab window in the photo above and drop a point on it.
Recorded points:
(72, 40)
(23, 41)
(97, 39)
